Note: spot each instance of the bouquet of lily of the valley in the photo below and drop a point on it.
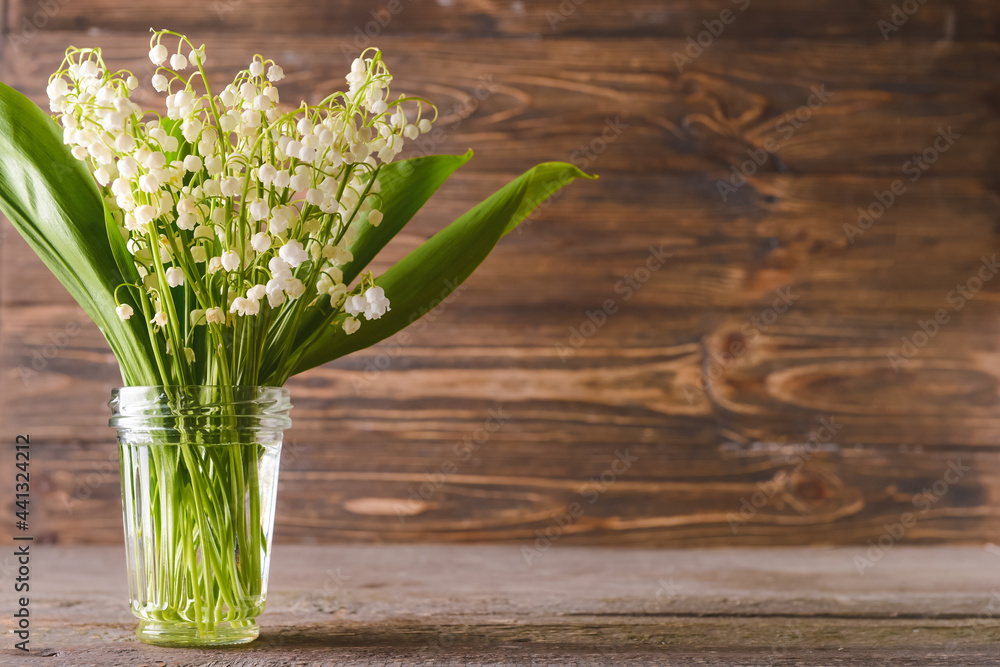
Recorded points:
(224, 245)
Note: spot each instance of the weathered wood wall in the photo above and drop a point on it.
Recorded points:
(746, 424)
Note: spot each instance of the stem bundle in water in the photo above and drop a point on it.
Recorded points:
(198, 488)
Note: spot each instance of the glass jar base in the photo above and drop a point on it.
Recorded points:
(177, 635)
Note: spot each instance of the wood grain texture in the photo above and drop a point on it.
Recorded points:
(719, 396)
(485, 605)
(854, 20)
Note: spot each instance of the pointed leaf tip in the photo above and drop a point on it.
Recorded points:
(431, 272)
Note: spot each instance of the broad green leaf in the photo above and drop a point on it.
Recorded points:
(418, 282)
(119, 250)
(53, 201)
(173, 128)
(406, 187)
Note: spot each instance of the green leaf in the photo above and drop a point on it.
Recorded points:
(422, 279)
(406, 187)
(123, 258)
(53, 201)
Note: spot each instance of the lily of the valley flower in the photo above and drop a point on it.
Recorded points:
(376, 303)
(260, 242)
(175, 276)
(215, 316)
(247, 207)
(373, 304)
(293, 253)
(244, 306)
(230, 260)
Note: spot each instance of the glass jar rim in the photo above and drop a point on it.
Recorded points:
(167, 407)
(199, 386)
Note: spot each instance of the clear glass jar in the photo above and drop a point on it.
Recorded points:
(199, 468)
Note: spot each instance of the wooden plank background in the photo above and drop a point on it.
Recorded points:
(741, 425)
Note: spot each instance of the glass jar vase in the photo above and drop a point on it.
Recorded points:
(199, 468)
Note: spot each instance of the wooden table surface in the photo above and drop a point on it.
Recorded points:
(593, 605)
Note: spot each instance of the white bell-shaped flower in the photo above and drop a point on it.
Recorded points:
(259, 210)
(294, 288)
(158, 54)
(260, 242)
(376, 303)
(230, 260)
(175, 277)
(355, 305)
(293, 253)
(257, 292)
(243, 306)
(279, 268)
(215, 316)
(266, 173)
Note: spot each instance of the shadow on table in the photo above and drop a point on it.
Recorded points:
(407, 635)
(584, 643)
(416, 637)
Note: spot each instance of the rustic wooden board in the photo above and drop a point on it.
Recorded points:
(711, 429)
(849, 20)
(486, 605)
(550, 99)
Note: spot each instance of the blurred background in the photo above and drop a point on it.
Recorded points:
(772, 320)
